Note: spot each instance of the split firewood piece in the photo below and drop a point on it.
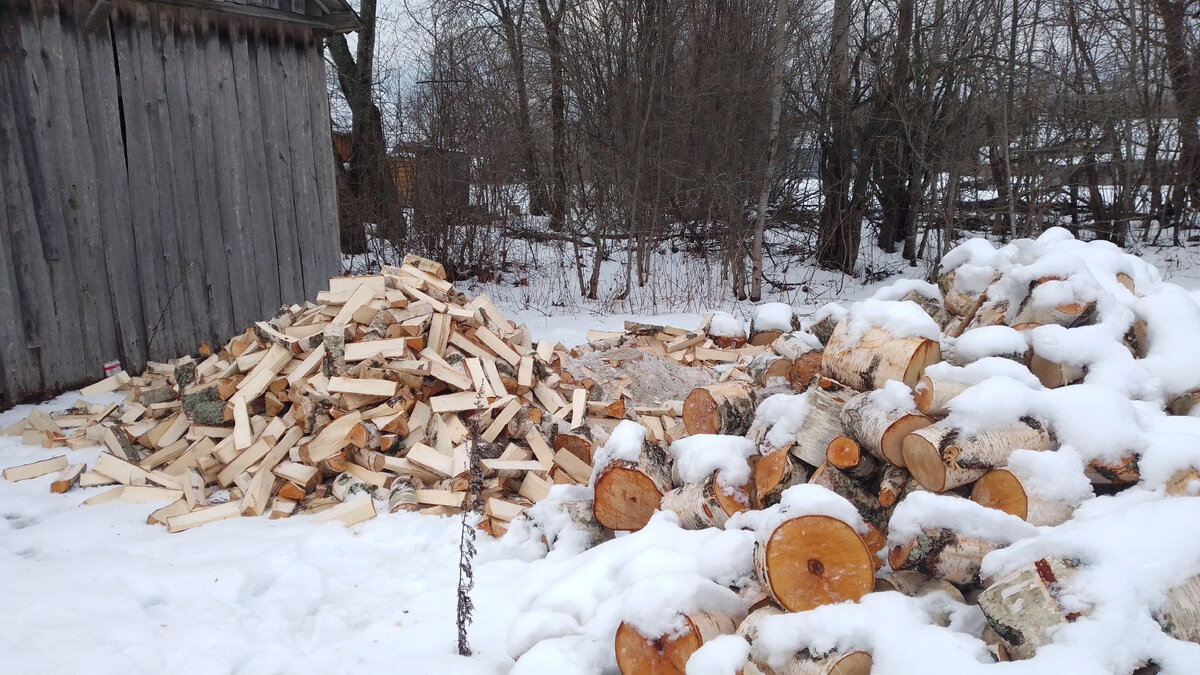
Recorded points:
(845, 454)
(943, 553)
(867, 503)
(876, 356)
(772, 473)
(1026, 605)
(68, 478)
(1003, 490)
(204, 516)
(940, 457)
(36, 469)
(577, 441)
(932, 394)
(766, 366)
(639, 655)
(821, 425)
(705, 504)
(879, 428)
(814, 560)
(627, 492)
(805, 369)
(110, 383)
(331, 439)
(722, 408)
(894, 484)
(349, 513)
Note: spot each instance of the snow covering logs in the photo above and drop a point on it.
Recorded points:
(933, 453)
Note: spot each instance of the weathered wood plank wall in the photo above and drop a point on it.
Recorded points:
(165, 181)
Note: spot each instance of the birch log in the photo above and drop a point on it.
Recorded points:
(864, 500)
(639, 655)
(847, 455)
(766, 366)
(627, 493)
(822, 424)
(877, 429)
(722, 408)
(941, 458)
(1023, 606)
(933, 393)
(772, 473)
(705, 504)
(876, 357)
(942, 553)
(1003, 490)
(1181, 613)
(814, 560)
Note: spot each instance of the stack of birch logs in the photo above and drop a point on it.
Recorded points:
(862, 442)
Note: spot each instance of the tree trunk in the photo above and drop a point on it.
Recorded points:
(772, 473)
(865, 501)
(841, 217)
(370, 176)
(552, 22)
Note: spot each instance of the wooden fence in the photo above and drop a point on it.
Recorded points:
(165, 180)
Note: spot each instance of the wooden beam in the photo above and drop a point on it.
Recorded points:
(341, 22)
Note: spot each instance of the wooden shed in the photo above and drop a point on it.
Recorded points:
(166, 178)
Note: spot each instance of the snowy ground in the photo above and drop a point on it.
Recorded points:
(94, 589)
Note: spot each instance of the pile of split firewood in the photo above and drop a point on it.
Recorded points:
(373, 397)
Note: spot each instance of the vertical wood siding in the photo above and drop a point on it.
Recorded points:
(165, 181)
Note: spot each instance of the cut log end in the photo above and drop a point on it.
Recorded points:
(816, 560)
(1001, 490)
(625, 498)
(924, 462)
(843, 452)
(892, 444)
(637, 655)
(928, 353)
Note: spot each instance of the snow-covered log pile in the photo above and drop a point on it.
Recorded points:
(984, 468)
